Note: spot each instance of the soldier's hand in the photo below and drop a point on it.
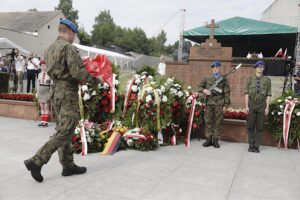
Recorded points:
(100, 79)
(224, 109)
(206, 92)
(266, 111)
(247, 110)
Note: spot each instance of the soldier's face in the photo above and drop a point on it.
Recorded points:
(260, 69)
(71, 36)
(43, 67)
(216, 69)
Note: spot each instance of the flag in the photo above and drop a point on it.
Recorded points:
(285, 53)
(279, 53)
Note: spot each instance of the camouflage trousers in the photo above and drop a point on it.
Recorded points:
(256, 122)
(65, 107)
(213, 117)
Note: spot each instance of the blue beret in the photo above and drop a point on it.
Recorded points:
(259, 63)
(69, 24)
(216, 64)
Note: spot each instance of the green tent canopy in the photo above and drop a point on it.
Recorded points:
(248, 35)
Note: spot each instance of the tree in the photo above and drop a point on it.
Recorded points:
(32, 10)
(84, 37)
(67, 9)
(104, 26)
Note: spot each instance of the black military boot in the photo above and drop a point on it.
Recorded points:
(208, 142)
(216, 143)
(34, 169)
(251, 148)
(73, 170)
(256, 149)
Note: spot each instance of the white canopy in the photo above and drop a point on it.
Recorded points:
(6, 46)
(116, 58)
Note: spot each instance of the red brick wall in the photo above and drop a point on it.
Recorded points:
(193, 72)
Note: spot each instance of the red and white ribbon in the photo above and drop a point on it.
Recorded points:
(191, 119)
(127, 96)
(84, 149)
(287, 117)
(113, 94)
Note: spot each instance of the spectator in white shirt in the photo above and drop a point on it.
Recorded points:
(32, 66)
(20, 68)
(161, 70)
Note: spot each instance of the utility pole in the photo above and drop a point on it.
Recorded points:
(180, 45)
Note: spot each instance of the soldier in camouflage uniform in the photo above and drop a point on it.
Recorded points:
(257, 99)
(216, 104)
(66, 69)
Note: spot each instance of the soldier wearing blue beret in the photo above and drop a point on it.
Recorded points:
(66, 69)
(216, 104)
(257, 99)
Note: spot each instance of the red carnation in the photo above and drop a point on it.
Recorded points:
(175, 103)
(133, 96)
(141, 101)
(195, 125)
(150, 102)
(74, 138)
(197, 113)
(117, 98)
(104, 93)
(104, 101)
(106, 109)
(162, 106)
(153, 109)
(75, 146)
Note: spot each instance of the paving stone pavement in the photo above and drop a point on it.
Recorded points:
(169, 173)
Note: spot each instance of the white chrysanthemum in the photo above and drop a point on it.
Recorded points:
(86, 97)
(272, 113)
(180, 94)
(164, 98)
(279, 113)
(150, 77)
(189, 87)
(89, 140)
(136, 76)
(77, 130)
(149, 89)
(137, 81)
(105, 86)
(94, 93)
(298, 114)
(186, 93)
(129, 142)
(169, 81)
(152, 83)
(163, 89)
(159, 91)
(134, 88)
(84, 88)
(116, 82)
(279, 101)
(281, 106)
(148, 98)
(173, 91)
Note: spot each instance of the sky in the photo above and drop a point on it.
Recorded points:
(152, 15)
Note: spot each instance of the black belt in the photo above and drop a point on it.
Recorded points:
(44, 85)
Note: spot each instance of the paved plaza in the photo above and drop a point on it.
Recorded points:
(194, 173)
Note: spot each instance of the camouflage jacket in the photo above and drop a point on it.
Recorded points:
(216, 99)
(65, 67)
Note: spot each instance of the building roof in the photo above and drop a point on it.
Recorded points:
(242, 26)
(26, 21)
